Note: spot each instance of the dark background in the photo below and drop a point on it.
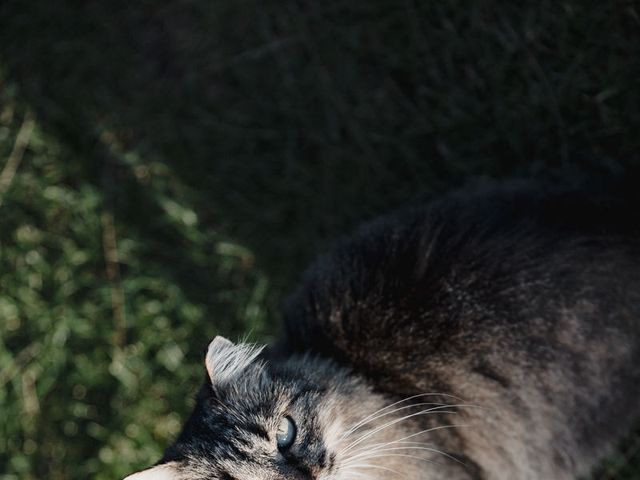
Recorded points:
(168, 168)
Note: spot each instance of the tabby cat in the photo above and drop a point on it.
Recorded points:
(494, 334)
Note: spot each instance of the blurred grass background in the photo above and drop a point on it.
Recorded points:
(167, 168)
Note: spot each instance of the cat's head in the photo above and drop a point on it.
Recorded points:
(258, 420)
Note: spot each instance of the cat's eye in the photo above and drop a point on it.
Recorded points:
(286, 433)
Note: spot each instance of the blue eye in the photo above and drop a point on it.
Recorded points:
(286, 433)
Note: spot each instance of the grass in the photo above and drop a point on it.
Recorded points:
(188, 158)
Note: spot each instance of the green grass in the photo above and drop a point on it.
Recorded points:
(222, 144)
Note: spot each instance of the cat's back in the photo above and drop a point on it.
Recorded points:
(475, 260)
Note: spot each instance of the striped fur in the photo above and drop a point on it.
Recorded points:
(523, 301)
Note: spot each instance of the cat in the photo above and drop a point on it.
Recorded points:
(492, 334)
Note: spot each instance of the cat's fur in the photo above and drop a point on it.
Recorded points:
(504, 321)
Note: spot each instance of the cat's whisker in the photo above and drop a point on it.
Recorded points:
(350, 472)
(404, 440)
(427, 449)
(376, 446)
(383, 427)
(380, 467)
(365, 447)
(390, 412)
(365, 419)
(396, 421)
(428, 430)
(403, 455)
(409, 445)
(368, 417)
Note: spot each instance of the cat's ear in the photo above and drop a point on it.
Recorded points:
(166, 471)
(225, 360)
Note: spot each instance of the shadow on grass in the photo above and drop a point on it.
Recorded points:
(291, 121)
